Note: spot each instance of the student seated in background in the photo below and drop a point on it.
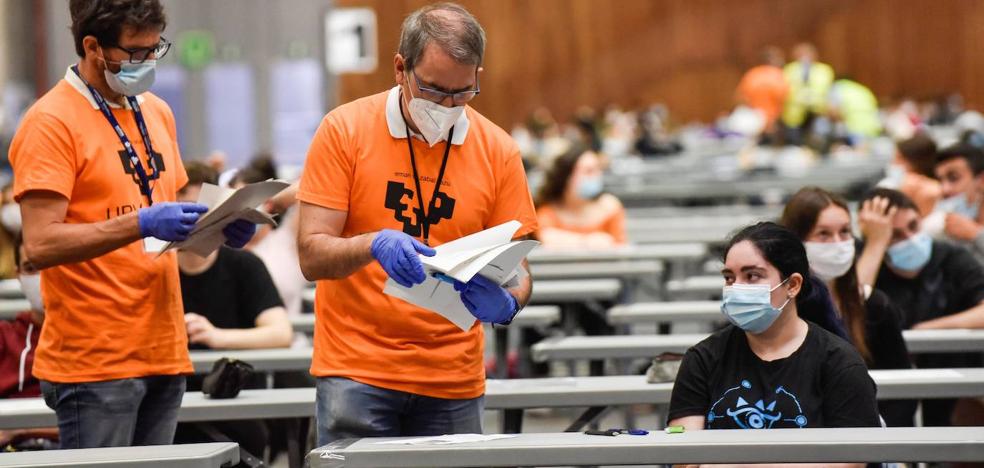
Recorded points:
(960, 170)
(572, 208)
(229, 298)
(823, 222)
(912, 172)
(771, 369)
(18, 340)
(230, 302)
(936, 284)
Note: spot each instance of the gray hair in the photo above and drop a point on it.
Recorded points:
(450, 26)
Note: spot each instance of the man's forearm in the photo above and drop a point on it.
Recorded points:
(328, 257)
(524, 289)
(970, 318)
(61, 243)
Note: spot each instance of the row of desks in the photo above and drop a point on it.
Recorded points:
(211, 455)
(591, 347)
(513, 394)
(647, 346)
(949, 444)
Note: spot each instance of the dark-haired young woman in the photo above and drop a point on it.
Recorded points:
(572, 208)
(771, 369)
(823, 222)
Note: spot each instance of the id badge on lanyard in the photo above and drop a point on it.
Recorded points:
(143, 179)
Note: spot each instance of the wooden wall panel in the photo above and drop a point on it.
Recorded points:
(690, 54)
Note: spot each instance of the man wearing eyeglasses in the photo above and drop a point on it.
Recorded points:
(96, 169)
(389, 177)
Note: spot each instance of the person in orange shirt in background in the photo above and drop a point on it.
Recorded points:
(573, 210)
(764, 87)
(388, 177)
(96, 170)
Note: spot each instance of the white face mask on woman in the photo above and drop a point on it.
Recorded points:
(829, 260)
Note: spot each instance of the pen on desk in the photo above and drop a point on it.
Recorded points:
(674, 430)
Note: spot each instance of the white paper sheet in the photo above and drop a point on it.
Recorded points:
(224, 207)
(927, 374)
(448, 439)
(489, 253)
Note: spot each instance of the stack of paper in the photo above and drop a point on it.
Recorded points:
(489, 253)
(225, 206)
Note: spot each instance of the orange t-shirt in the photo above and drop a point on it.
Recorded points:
(764, 88)
(119, 315)
(358, 164)
(613, 224)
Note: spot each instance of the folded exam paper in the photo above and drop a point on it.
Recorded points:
(225, 206)
(490, 253)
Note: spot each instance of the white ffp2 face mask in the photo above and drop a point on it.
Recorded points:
(829, 260)
(432, 119)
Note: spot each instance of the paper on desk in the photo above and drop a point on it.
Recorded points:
(447, 439)
(909, 374)
(489, 253)
(225, 206)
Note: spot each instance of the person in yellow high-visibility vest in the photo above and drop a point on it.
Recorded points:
(809, 82)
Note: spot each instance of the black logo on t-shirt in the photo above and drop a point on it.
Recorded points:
(151, 175)
(408, 213)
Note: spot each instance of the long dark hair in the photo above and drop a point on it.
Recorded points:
(781, 248)
(556, 178)
(800, 216)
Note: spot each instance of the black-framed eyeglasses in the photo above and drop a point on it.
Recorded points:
(435, 95)
(141, 54)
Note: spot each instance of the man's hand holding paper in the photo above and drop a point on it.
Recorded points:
(486, 300)
(397, 253)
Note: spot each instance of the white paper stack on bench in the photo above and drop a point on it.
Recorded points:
(490, 253)
(225, 206)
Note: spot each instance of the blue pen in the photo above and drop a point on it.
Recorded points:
(443, 277)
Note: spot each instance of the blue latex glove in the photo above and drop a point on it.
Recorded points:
(486, 300)
(397, 253)
(238, 233)
(169, 221)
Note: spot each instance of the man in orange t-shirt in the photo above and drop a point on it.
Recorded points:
(764, 87)
(384, 366)
(96, 168)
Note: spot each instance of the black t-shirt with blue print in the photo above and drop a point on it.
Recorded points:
(824, 383)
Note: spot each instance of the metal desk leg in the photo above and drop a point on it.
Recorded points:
(295, 448)
(512, 421)
(501, 351)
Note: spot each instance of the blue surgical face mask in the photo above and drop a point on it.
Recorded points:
(912, 254)
(959, 204)
(589, 188)
(749, 306)
(133, 78)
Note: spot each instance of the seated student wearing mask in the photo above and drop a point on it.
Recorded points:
(771, 369)
(823, 222)
(230, 302)
(912, 171)
(18, 340)
(960, 170)
(573, 210)
(935, 284)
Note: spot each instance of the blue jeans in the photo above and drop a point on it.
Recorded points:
(349, 409)
(116, 413)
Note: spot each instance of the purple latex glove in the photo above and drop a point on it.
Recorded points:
(169, 221)
(487, 301)
(238, 233)
(397, 253)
